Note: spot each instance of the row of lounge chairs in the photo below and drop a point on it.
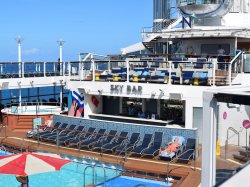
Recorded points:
(116, 143)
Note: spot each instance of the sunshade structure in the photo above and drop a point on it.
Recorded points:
(25, 164)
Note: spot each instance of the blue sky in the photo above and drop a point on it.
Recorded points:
(98, 26)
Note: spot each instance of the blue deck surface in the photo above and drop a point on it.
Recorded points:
(133, 181)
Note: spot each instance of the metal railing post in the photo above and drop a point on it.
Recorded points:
(127, 66)
(214, 72)
(170, 73)
(230, 74)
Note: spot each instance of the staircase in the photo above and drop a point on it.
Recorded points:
(24, 122)
(150, 38)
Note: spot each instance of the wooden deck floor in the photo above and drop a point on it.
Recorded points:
(189, 175)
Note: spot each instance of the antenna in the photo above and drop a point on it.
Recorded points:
(61, 42)
(19, 42)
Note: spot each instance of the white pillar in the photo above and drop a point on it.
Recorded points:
(61, 42)
(209, 140)
(19, 41)
(188, 113)
(60, 52)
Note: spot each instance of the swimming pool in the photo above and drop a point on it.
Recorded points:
(122, 181)
(70, 175)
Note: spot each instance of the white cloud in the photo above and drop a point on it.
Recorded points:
(31, 51)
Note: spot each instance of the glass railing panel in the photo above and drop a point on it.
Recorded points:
(10, 69)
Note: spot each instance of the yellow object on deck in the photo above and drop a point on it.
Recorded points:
(135, 78)
(218, 148)
(196, 81)
(97, 77)
(115, 77)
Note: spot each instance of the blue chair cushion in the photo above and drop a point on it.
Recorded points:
(138, 72)
(145, 73)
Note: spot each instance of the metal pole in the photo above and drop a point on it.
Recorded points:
(61, 96)
(230, 74)
(214, 64)
(127, 65)
(170, 73)
(93, 67)
(246, 139)
(20, 97)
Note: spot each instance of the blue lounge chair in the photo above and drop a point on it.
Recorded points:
(144, 144)
(84, 136)
(104, 140)
(171, 155)
(155, 146)
(62, 133)
(54, 132)
(48, 130)
(188, 152)
(93, 139)
(71, 135)
(117, 141)
(128, 145)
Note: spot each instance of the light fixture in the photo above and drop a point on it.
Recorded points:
(100, 91)
(162, 91)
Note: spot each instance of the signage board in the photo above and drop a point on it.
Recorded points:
(246, 124)
(36, 123)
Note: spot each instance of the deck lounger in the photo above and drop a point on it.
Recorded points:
(104, 140)
(188, 152)
(48, 130)
(128, 145)
(83, 136)
(93, 139)
(144, 144)
(71, 135)
(171, 155)
(62, 133)
(117, 141)
(62, 127)
(155, 146)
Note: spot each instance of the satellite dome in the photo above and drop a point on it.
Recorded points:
(204, 8)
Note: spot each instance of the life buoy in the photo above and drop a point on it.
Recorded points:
(94, 101)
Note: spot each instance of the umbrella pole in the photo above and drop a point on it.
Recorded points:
(27, 181)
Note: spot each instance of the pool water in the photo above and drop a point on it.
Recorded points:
(70, 175)
(123, 181)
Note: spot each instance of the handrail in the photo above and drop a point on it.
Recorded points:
(235, 133)
(125, 155)
(94, 174)
(137, 185)
(84, 174)
(230, 67)
(177, 157)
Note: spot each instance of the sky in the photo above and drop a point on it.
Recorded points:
(97, 26)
